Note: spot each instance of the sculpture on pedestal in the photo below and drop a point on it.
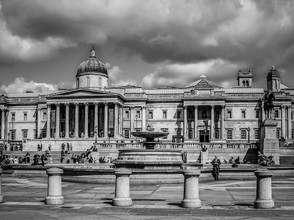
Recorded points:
(268, 105)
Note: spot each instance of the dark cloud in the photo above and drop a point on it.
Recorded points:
(242, 34)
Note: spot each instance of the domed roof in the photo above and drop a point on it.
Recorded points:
(92, 65)
(273, 73)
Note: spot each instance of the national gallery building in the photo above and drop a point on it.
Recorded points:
(201, 112)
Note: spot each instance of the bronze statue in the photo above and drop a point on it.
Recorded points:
(268, 105)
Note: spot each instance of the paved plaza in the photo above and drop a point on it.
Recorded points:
(24, 199)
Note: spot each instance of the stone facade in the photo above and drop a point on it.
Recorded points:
(198, 113)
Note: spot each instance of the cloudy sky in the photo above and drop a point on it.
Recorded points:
(152, 43)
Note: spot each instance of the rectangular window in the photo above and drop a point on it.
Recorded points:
(276, 113)
(35, 134)
(204, 114)
(138, 114)
(256, 133)
(229, 113)
(127, 134)
(243, 134)
(12, 116)
(127, 114)
(229, 133)
(24, 133)
(150, 114)
(256, 113)
(243, 113)
(44, 115)
(25, 116)
(164, 130)
(217, 114)
(13, 133)
(217, 133)
(278, 133)
(164, 114)
(44, 133)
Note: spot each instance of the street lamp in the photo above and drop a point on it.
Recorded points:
(248, 129)
(96, 133)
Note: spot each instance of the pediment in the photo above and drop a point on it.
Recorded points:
(80, 93)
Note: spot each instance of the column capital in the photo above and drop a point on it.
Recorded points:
(196, 106)
(66, 104)
(212, 106)
(57, 104)
(283, 106)
(143, 107)
(48, 105)
(86, 103)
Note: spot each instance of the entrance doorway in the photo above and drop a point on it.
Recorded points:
(204, 136)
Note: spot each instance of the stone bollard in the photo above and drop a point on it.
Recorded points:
(54, 191)
(122, 187)
(191, 189)
(264, 190)
(1, 196)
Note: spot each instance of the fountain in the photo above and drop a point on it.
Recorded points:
(149, 157)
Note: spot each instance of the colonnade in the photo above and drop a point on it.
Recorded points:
(4, 123)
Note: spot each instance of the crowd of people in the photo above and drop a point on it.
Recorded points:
(9, 159)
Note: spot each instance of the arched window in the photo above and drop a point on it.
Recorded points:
(99, 82)
(88, 81)
(243, 82)
(247, 83)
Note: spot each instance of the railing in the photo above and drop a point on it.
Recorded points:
(170, 145)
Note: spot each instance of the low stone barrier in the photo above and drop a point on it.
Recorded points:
(54, 190)
(122, 188)
(191, 189)
(264, 189)
(1, 196)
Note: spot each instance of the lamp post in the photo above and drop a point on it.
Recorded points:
(148, 127)
(248, 129)
(96, 133)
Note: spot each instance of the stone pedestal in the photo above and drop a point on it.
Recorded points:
(122, 188)
(263, 190)
(269, 144)
(54, 191)
(191, 189)
(1, 196)
(204, 157)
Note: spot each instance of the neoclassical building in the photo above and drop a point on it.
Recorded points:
(200, 112)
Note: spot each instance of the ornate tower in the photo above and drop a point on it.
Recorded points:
(273, 80)
(92, 73)
(245, 78)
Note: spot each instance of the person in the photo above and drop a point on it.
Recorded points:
(49, 147)
(62, 156)
(237, 161)
(216, 167)
(231, 160)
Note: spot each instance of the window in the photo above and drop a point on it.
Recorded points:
(243, 113)
(217, 133)
(25, 116)
(256, 113)
(190, 114)
(164, 130)
(278, 133)
(138, 114)
(127, 114)
(13, 133)
(229, 133)
(127, 133)
(204, 115)
(256, 133)
(99, 82)
(44, 132)
(35, 134)
(243, 134)
(44, 115)
(164, 114)
(150, 114)
(12, 116)
(179, 114)
(276, 113)
(229, 113)
(24, 133)
(217, 114)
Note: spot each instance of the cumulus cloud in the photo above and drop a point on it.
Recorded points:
(20, 85)
(243, 33)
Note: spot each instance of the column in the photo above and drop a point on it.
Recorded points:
(54, 190)
(115, 120)
(1, 196)
(121, 120)
(6, 123)
(131, 119)
(38, 122)
(57, 119)
(66, 120)
(76, 120)
(289, 122)
(196, 122)
(105, 119)
(191, 189)
(185, 123)
(144, 118)
(223, 122)
(283, 121)
(262, 112)
(86, 120)
(2, 123)
(95, 119)
(48, 120)
(122, 188)
(212, 123)
(264, 189)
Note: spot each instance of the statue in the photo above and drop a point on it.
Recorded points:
(268, 104)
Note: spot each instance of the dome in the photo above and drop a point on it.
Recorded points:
(273, 73)
(92, 66)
